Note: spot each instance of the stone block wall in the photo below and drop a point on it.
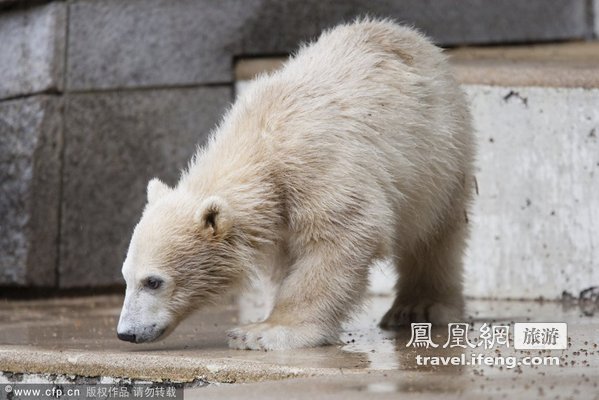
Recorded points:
(98, 96)
(32, 49)
(30, 165)
(115, 142)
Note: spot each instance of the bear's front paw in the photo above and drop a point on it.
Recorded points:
(266, 336)
(404, 314)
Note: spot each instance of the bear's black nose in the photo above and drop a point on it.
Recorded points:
(127, 337)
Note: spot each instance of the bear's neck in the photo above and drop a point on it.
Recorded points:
(241, 172)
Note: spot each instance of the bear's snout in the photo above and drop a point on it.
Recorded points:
(141, 335)
(127, 337)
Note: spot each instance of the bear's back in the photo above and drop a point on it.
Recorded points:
(368, 112)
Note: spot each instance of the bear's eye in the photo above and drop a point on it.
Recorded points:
(153, 283)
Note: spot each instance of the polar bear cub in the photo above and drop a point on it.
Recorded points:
(359, 149)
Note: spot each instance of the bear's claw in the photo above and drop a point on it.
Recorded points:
(266, 336)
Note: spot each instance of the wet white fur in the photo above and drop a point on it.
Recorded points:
(359, 149)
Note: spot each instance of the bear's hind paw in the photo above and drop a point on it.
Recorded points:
(437, 313)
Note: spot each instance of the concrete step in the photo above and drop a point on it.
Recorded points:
(74, 341)
(571, 64)
(535, 221)
(565, 65)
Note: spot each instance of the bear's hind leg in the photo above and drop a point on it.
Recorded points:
(430, 285)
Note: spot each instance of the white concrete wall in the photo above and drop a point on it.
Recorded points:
(535, 220)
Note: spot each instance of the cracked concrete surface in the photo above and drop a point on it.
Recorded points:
(76, 337)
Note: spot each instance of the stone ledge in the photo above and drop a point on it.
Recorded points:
(571, 65)
(567, 65)
(148, 367)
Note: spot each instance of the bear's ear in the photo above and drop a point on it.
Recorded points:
(156, 190)
(213, 216)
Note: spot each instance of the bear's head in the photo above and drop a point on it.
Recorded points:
(184, 253)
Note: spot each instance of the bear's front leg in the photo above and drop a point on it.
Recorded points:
(274, 336)
(312, 302)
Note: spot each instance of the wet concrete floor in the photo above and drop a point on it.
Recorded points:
(76, 337)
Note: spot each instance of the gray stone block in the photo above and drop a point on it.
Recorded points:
(276, 26)
(147, 43)
(114, 143)
(30, 147)
(137, 43)
(32, 44)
